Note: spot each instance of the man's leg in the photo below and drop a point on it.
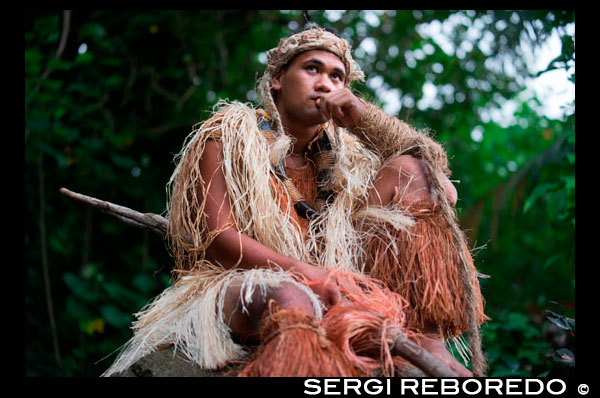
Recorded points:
(404, 179)
(245, 325)
(293, 342)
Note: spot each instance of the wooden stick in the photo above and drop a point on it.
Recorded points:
(150, 221)
(421, 358)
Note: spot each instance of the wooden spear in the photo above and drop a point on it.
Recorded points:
(418, 356)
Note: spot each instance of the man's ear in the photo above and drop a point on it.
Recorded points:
(276, 80)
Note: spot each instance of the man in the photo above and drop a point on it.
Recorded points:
(268, 206)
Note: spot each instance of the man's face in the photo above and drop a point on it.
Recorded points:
(303, 81)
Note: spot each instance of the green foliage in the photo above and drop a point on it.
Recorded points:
(105, 114)
(530, 344)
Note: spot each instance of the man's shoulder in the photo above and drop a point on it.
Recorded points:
(227, 112)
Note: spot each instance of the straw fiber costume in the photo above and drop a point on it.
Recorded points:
(400, 266)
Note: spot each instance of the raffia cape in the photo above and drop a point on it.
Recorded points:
(189, 313)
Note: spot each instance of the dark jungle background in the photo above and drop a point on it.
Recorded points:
(111, 95)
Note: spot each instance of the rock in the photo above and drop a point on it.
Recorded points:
(168, 363)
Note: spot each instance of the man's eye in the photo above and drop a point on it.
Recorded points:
(311, 68)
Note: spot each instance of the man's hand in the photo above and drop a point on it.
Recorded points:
(322, 283)
(342, 106)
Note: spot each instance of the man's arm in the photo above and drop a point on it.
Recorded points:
(230, 247)
(386, 134)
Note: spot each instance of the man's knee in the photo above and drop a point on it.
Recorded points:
(244, 318)
(402, 178)
(286, 295)
(289, 295)
(408, 165)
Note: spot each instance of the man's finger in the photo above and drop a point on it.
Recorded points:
(330, 109)
(339, 111)
(337, 291)
(323, 107)
(336, 297)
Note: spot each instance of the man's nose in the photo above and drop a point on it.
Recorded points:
(323, 84)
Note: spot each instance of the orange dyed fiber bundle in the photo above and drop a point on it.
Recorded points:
(354, 339)
(305, 182)
(366, 324)
(294, 344)
(424, 269)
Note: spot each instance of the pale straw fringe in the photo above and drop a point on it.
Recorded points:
(247, 169)
(461, 347)
(332, 241)
(334, 237)
(189, 315)
(183, 315)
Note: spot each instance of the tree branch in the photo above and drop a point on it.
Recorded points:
(149, 221)
(44, 250)
(63, 40)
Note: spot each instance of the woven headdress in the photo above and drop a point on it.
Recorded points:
(313, 38)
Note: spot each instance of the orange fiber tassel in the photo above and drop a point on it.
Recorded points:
(425, 270)
(366, 323)
(294, 344)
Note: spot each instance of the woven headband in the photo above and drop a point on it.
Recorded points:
(315, 38)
